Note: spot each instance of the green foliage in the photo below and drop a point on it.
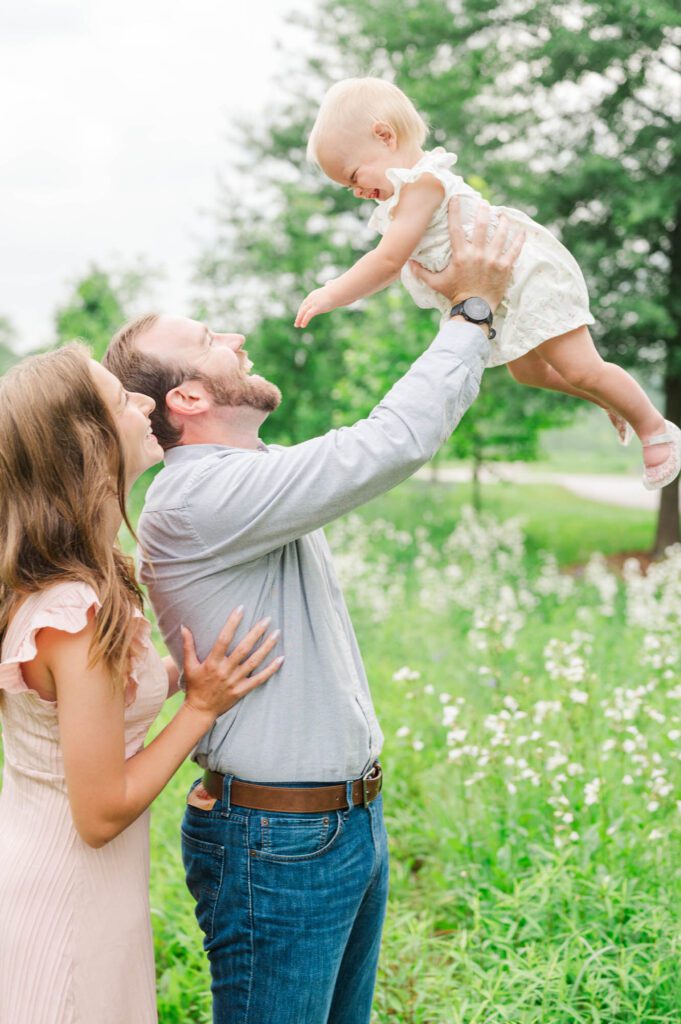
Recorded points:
(489, 921)
(101, 303)
(570, 111)
(289, 230)
(552, 519)
(7, 337)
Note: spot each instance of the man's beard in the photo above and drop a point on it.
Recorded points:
(253, 392)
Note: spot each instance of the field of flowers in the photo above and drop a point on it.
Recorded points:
(531, 703)
(532, 715)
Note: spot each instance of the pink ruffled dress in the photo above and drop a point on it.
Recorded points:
(75, 928)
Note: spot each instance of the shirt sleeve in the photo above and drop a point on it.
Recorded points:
(250, 503)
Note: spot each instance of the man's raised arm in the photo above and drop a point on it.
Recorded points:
(249, 503)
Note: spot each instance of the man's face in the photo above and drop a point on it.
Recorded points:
(220, 361)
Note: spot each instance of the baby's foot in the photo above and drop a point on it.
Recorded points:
(661, 456)
(624, 430)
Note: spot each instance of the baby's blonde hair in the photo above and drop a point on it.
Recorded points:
(359, 103)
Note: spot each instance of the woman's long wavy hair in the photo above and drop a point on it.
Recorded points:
(61, 464)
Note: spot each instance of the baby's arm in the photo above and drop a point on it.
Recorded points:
(382, 265)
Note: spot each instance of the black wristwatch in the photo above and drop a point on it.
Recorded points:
(477, 311)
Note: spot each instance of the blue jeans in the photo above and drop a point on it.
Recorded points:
(291, 907)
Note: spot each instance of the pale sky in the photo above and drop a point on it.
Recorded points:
(115, 116)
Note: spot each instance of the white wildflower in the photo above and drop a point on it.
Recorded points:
(592, 792)
(405, 673)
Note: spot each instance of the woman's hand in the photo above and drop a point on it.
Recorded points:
(215, 685)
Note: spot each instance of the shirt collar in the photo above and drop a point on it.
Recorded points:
(191, 452)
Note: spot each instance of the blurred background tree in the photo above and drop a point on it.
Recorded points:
(101, 301)
(7, 340)
(570, 111)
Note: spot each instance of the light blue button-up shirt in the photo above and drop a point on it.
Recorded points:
(227, 526)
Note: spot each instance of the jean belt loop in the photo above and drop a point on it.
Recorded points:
(348, 795)
(226, 794)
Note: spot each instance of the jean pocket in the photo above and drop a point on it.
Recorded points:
(204, 869)
(294, 837)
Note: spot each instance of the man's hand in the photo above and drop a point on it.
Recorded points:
(479, 267)
(318, 301)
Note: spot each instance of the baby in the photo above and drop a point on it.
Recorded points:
(368, 137)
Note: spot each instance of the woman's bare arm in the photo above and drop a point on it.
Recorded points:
(106, 791)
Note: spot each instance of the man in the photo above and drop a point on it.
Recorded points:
(283, 841)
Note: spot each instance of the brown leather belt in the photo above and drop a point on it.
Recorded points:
(283, 798)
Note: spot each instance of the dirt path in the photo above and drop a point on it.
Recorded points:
(608, 489)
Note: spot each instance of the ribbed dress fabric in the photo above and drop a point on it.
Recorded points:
(75, 929)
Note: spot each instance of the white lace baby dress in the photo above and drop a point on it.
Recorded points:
(547, 295)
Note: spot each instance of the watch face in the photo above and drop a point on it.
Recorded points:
(476, 309)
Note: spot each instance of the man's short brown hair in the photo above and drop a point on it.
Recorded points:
(147, 374)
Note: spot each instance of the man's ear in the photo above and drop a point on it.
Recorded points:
(188, 399)
(385, 133)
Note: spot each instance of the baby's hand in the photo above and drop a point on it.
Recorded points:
(318, 301)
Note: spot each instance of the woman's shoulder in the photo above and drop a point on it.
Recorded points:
(64, 600)
(64, 606)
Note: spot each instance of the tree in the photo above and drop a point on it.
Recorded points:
(283, 235)
(570, 111)
(101, 302)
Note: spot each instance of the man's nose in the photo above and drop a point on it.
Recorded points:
(358, 192)
(234, 341)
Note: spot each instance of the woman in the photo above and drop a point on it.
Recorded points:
(80, 684)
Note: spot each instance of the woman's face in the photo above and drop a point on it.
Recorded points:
(130, 413)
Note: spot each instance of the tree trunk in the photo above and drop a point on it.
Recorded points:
(477, 490)
(668, 526)
(668, 519)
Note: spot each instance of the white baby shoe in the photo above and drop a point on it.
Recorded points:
(656, 477)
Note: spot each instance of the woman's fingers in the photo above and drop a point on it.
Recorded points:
(226, 634)
(189, 658)
(257, 657)
(250, 682)
(245, 647)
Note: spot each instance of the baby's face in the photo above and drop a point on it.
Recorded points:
(360, 164)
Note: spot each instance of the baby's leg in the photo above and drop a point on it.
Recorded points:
(533, 370)
(574, 357)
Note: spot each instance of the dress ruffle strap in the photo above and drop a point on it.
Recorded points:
(437, 162)
(65, 607)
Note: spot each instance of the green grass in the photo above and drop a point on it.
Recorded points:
(588, 445)
(501, 911)
(489, 921)
(553, 519)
